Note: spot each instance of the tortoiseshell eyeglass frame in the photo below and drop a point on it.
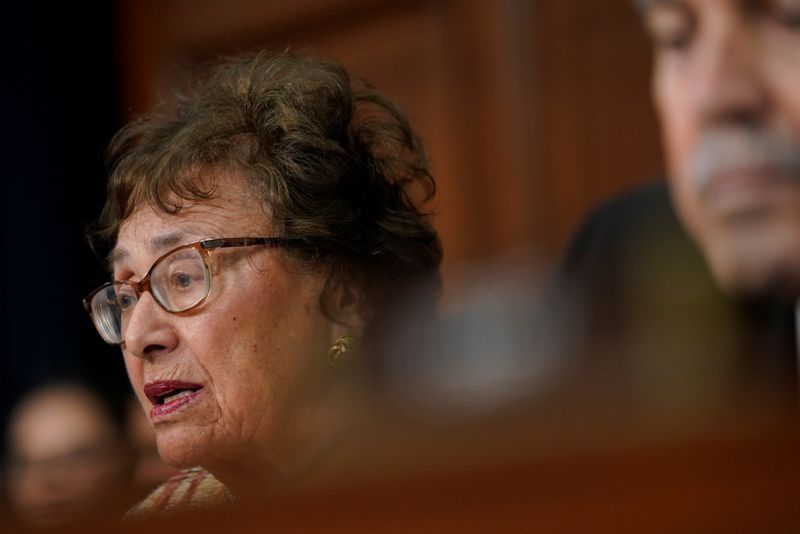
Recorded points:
(203, 246)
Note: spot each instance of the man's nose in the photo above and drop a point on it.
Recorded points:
(727, 80)
(149, 329)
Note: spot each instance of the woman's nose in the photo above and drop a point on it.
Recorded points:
(149, 330)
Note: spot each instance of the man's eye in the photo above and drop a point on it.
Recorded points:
(670, 29)
(671, 42)
(787, 14)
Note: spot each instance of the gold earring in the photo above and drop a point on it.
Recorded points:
(338, 351)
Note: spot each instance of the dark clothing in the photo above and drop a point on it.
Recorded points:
(654, 321)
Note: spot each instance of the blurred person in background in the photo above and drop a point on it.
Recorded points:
(68, 461)
(693, 283)
(262, 224)
(149, 469)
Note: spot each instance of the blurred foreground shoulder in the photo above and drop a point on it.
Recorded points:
(191, 489)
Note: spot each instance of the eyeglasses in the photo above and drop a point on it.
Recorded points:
(179, 280)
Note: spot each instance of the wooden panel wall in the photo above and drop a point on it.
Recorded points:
(598, 132)
(532, 110)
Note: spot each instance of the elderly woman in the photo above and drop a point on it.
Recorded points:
(260, 225)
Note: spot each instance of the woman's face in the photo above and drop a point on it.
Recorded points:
(253, 353)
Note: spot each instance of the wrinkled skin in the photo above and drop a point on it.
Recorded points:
(257, 345)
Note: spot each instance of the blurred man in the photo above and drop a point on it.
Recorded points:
(725, 85)
(68, 462)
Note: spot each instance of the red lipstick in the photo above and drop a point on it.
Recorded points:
(168, 396)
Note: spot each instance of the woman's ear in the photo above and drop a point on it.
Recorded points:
(347, 328)
(349, 311)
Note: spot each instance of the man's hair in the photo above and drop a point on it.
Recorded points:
(336, 164)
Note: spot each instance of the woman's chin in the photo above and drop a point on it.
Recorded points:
(180, 453)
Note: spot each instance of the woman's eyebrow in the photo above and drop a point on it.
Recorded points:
(116, 256)
(157, 244)
(161, 242)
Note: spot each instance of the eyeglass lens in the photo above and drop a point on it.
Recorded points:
(178, 282)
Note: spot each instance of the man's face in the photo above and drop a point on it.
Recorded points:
(727, 88)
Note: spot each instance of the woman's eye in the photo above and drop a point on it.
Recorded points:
(126, 301)
(182, 280)
(185, 280)
(181, 275)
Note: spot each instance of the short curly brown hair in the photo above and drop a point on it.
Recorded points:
(335, 161)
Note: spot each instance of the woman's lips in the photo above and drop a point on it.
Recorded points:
(160, 410)
(168, 396)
